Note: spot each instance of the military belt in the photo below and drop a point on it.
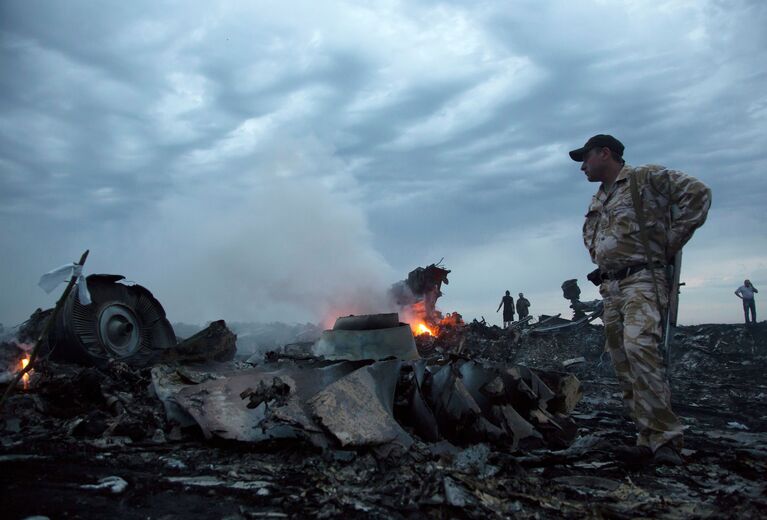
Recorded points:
(628, 271)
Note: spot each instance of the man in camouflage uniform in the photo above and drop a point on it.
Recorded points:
(633, 283)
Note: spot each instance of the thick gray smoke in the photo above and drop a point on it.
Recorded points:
(283, 240)
(271, 233)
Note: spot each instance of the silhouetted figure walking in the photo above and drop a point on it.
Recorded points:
(523, 306)
(508, 309)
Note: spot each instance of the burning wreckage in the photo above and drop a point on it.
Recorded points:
(344, 397)
(368, 420)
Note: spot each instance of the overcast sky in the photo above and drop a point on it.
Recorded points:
(258, 161)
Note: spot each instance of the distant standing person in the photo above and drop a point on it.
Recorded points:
(523, 306)
(746, 293)
(508, 309)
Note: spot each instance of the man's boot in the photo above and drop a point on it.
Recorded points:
(667, 455)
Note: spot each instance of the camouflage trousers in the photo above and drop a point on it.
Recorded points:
(633, 331)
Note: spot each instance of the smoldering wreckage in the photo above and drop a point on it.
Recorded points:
(375, 417)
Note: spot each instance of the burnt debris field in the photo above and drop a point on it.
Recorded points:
(485, 423)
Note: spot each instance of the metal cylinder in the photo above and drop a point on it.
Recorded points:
(123, 322)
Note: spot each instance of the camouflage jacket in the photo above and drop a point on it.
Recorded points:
(674, 206)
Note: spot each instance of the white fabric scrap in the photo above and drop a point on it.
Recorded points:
(114, 484)
(52, 279)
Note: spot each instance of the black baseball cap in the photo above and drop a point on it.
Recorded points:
(598, 141)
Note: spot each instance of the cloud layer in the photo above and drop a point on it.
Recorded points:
(263, 162)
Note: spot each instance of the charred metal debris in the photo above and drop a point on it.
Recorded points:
(456, 425)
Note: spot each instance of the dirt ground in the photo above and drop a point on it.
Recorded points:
(55, 450)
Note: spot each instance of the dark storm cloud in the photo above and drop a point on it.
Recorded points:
(241, 143)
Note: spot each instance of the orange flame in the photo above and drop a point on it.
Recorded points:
(25, 377)
(421, 328)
